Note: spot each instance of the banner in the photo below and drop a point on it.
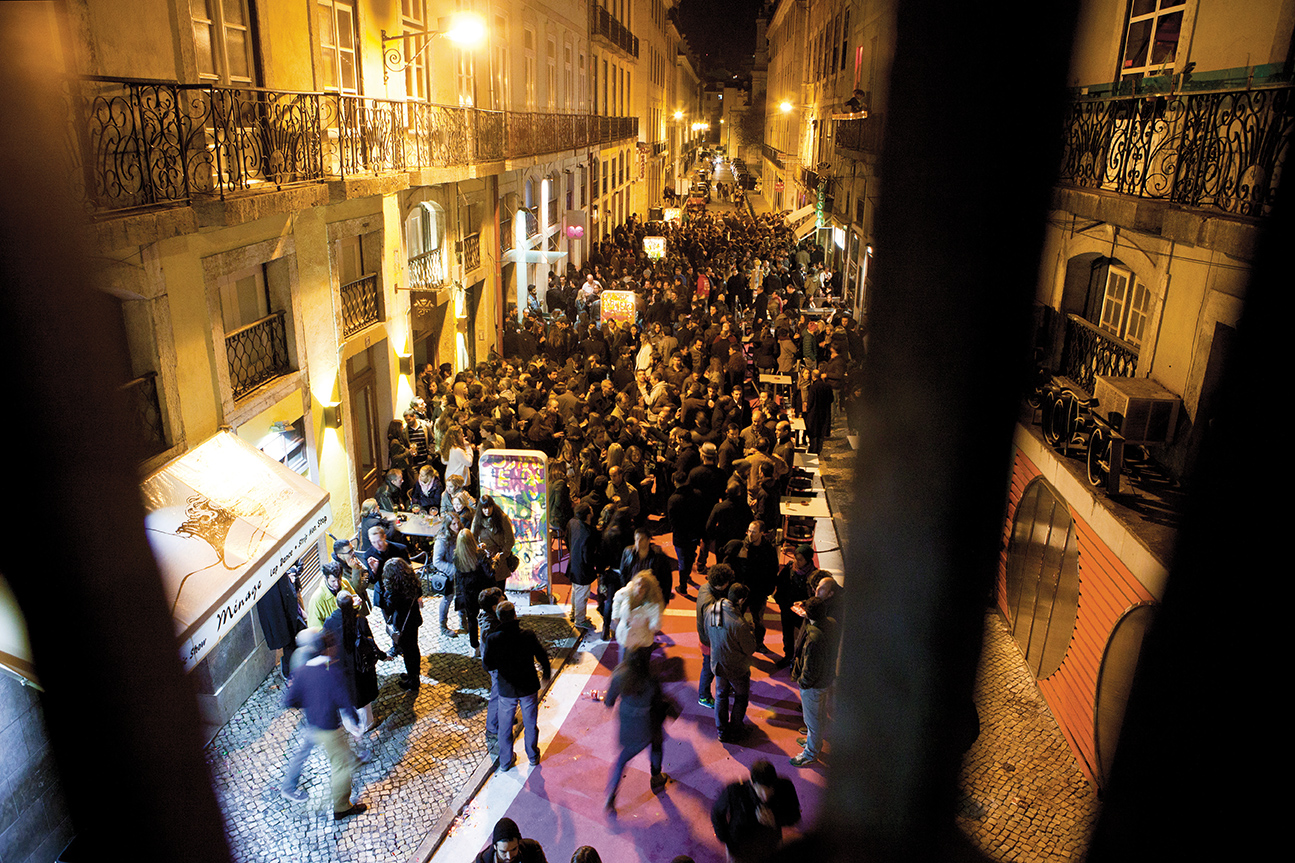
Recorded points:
(517, 479)
(619, 306)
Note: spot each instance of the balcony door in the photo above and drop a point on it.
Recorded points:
(366, 420)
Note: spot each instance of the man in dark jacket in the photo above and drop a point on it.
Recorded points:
(582, 543)
(732, 643)
(814, 669)
(319, 689)
(508, 846)
(513, 652)
(717, 582)
(684, 518)
(749, 816)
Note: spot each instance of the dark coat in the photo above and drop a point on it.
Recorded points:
(735, 818)
(279, 614)
(818, 410)
(513, 652)
(582, 544)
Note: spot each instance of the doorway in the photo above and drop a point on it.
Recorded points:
(366, 419)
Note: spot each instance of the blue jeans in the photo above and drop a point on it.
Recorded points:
(739, 690)
(492, 706)
(813, 706)
(628, 752)
(530, 705)
(707, 676)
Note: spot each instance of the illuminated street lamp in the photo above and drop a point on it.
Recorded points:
(785, 107)
(465, 29)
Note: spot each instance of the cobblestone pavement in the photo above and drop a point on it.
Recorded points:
(425, 749)
(1024, 798)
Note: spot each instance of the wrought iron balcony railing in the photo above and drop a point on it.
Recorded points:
(146, 412)
(359, 304)
(602, 24)
(1089, 351)
(427, 271)
(862, 135)
(257, 353)
(148, 143)
(471, 252)
(1219, 150)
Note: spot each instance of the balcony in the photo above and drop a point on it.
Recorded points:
(471, 253)
(257, 353)
(359, 304)
(603, 26)
(1219, 150)
(427, 271)
(859, 135)
(145, 411)
(1089, 351)
(142, 144)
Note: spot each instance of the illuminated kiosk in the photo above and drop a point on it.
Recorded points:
(518, 481)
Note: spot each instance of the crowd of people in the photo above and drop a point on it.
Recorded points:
(652, 427)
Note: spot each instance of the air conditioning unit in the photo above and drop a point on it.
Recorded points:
(1140, 409)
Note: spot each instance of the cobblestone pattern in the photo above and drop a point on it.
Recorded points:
(1023, 798)
(424, 751)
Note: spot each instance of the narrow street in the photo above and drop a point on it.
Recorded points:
(430, 787)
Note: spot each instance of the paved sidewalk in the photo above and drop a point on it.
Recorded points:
(426, 750)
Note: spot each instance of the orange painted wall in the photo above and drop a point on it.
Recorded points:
(1106, 589)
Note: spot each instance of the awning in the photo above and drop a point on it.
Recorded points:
(225, 522)
(15, 650)
(805, 212)
(805, 228)
(532, 256)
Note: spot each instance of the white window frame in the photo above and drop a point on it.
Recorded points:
(209, 15)
(413, 15)
(333, 54)
(1161, 9)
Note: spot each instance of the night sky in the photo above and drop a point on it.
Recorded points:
(721, 32)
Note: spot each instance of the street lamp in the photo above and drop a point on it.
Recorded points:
(465, 29)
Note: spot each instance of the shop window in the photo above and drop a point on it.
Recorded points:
(1042, 578)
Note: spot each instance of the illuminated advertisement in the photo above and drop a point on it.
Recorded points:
(517, 479)
(672, 214)
(655, 247)
(620, 305)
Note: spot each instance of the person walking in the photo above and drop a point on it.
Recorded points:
(644, 707)
(513, 652)
(636, 612)
(749, 816)
(319, 690)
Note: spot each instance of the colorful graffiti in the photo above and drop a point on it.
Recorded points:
(619, 306)
(518, 481)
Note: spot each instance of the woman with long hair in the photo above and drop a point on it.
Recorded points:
(403, 601)
(472, 574)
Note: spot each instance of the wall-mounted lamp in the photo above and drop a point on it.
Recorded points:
(465, 29)
(333, 416)
(405, 364)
